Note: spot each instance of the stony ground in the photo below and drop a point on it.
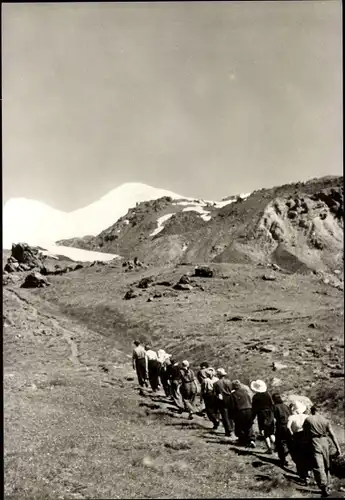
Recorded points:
(75, 425)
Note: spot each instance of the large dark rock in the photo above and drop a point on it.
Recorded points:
(25, 254)
(181, 286)
(203, 272)
(145, 282)
(35, 280)
(184, 280)
(11, 267)
(130, 294)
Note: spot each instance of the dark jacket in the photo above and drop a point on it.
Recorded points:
(222, 386)
(281, 414)
(261, 401)
(241, 400)
(174, 373)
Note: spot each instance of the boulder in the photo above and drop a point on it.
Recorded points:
(291, 398)
(276, 365)
(276, 382)
(48, 269)
(145, 282)
(25, 254)
(164, 283)
(157, 295)
(181, 286)
(130, 294)
(78, 266)
(35, 280)
(184, 280)
(203, 272)
(11, 267)
(268, 277)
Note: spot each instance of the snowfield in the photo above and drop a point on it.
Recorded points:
(36, 223)
(160, 223)
(78, 254)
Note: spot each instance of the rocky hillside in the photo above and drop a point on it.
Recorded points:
(296, 226)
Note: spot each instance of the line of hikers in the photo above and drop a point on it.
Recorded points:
(285, 429)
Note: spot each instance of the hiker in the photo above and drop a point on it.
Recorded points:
(152, 367)
(139, 363)
(174, 377)
(201, 375)
(281, 414)
(188, 388)
(243, 386)
(164, 361)
(209, 398)
(222, 390)
(317, 431)
(242, 411)
(298, 445)
(262, 407)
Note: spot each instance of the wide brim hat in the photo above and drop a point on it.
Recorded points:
(185, 363)
(221, 372)
(258, 386)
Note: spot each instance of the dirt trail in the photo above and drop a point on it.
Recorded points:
(65, 332)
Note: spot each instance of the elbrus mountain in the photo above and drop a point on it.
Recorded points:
(298, 227)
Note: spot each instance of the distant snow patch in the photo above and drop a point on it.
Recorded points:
(79, 254)
(203, 213)
(126, 221)
(160, 223)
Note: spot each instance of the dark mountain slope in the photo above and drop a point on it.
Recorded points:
(298, 226)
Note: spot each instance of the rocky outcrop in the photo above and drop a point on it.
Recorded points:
(35, 280)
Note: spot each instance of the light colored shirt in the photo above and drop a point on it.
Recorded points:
(295, 422)
(151, 355)
(138, 352)
(207, 385)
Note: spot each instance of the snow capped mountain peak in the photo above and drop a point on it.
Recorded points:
(39, 224)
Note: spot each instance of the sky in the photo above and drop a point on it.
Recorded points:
(206, 99)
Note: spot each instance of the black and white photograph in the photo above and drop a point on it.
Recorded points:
(173, 265)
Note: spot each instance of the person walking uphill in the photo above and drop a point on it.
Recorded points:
(262, 408)
(139, 363)
(209, 397)
(298, 446)
(242, 408)
(317, 430)
(174, 378)
(152, 367)
(164, 362)
(281, 414)
(188, 388)
(222, 390)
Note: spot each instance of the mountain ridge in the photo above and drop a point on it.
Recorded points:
(298, 226)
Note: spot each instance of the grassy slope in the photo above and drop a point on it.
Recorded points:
(75, 431)
(80, 432)
(193, 325)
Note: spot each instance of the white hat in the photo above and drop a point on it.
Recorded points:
(185, 363)
(221, 372)
(258, 386)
